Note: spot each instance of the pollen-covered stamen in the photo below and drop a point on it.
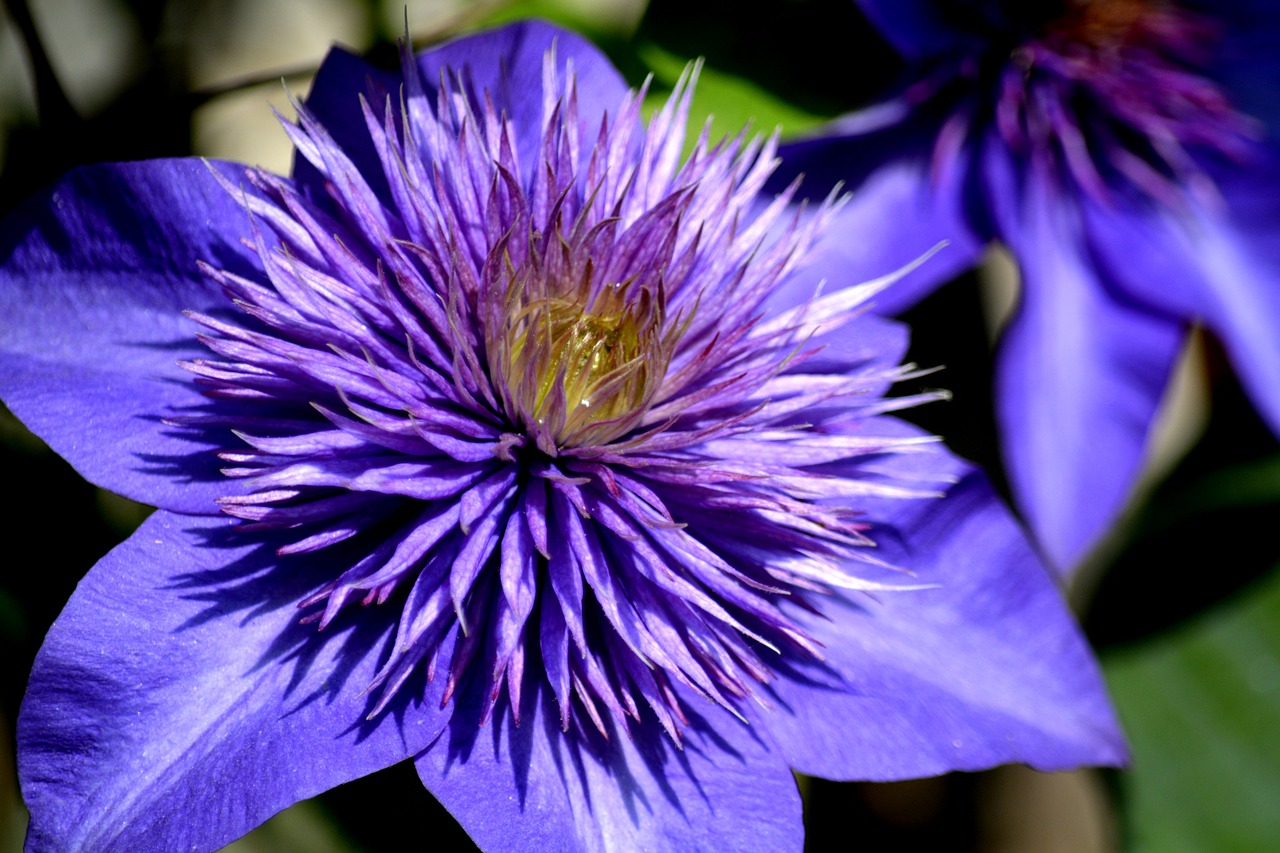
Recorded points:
(579, 356)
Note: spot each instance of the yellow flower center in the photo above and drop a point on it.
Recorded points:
(581, 363)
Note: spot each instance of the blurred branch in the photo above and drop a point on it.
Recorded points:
(52, 106)
(447, 28)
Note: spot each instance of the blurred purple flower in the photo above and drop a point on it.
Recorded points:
(1125, 153)
(553, 404)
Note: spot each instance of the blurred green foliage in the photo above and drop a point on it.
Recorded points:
(1202, 709)
(732, 103)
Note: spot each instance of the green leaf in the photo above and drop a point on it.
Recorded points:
(595, 21)
(1202, 709)
(302, 826)
(732, 102)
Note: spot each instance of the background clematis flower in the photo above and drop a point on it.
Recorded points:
(1124, 153)
(503, 438)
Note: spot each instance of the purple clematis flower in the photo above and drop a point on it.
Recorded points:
(504, 439)
(1124, 152)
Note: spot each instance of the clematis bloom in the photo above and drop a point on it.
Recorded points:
(1124, 152)
(505, 439)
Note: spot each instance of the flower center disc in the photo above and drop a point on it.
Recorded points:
(580, 365)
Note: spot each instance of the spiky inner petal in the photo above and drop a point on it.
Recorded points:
(543, 404)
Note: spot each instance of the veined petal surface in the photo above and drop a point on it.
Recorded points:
(534, 787)
(983, 668)
(1214, 263)
(92, 295)
(177, 703)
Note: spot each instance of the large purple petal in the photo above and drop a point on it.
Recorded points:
(506, 63)
(1216, 264)
(987, 668)
(536, 788)
(334, 100)
(96, 273)
(177, 703)
(867, 344)
(899, 207)
(1081, 370)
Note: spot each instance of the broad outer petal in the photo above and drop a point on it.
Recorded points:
(1080, 374)
(898, 208)
(94, 276)
(868, 343)
(535, 788)
(177, 703)
(1218, 264)
(334, 99)
(505, 62)
(986, 668)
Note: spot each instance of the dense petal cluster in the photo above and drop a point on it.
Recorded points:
(1124, 153)
(544, 400)
(554, 402)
